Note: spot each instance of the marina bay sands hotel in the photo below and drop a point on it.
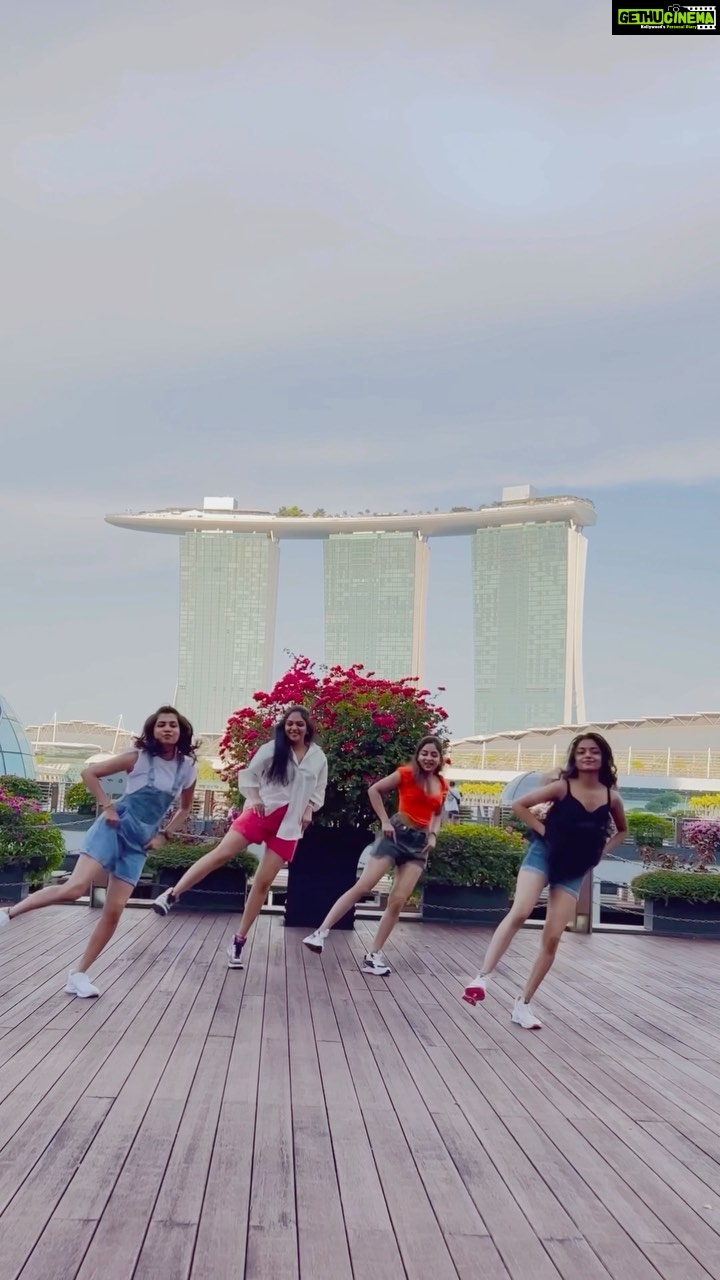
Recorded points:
(528, 582)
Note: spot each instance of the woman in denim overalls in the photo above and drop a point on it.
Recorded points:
(117, 843)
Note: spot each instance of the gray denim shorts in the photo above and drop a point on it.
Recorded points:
(410, 844)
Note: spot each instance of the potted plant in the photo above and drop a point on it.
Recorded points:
(79, 800)
(471, 874)
(222, 890)
(366, 727)
(684, 903)
(30, 846)
(649, 831)
(684, 898)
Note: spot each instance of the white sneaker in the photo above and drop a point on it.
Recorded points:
(164, 902)
(476, 990)
(234, 953)
(316, 941)
(523, 1015)
(375, 962)
(4, 917)
(78, 984)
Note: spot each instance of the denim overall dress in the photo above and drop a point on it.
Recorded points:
(122, 850)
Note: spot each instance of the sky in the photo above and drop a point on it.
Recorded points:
(395, 254)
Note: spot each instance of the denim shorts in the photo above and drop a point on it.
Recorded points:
(410, 844)
(536, 859)
(119, 850)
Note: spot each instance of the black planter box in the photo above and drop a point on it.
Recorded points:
(222, 890)
(324, 867)
(678, 918)
(14, 884)
(458, 905)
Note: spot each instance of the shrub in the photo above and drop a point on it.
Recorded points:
(704, 840)
(28, 839)
(468, 855)
(648, 831)
(179, 855)
(690, 886)
(79, 800)
(366, 727)
(27, 788)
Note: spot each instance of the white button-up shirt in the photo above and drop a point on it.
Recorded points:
(305, 786)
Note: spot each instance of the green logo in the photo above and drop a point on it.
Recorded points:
(665, 20)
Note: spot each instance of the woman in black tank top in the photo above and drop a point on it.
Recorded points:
(568, 841)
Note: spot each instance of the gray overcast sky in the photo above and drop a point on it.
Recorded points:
(389, 254)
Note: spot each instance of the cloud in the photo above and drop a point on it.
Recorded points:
(243, 180)
(388, 255)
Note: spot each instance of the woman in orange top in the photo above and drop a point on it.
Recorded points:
(405, 842)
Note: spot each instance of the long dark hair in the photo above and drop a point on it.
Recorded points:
(148, 742)
(278, 770)
(608, 769)
(429, 740)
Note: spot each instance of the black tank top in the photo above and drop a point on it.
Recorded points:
(569, 821)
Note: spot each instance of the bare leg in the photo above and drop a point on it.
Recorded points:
(561, 910)
(230, 845)
(406, 877)
(87, 871)
(530, 885)
(268, 867)
(117, 895)
(373, 873)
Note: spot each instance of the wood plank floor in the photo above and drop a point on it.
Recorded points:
(299, 1119)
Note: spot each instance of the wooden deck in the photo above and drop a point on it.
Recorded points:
(299, 1119)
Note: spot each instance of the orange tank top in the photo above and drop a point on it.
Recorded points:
(416, 802)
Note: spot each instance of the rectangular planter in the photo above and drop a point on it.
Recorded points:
(14, 884)
(324, 867)
(461, 905)
(222, 890)
(678, 918)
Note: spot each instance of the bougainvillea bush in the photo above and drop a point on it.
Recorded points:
(704, 839)
(27, 837)
(366, 727)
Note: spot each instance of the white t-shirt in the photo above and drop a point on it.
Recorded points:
(165, 772)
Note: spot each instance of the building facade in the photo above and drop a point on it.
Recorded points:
(528, 583)
(375, 594)
(528, 592)
(228, 597)
(15, 751)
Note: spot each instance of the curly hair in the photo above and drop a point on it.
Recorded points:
(146, 741)
(608, 769)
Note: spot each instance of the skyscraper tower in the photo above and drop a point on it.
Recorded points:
(228, 596)
(375, 592)
(528, 591)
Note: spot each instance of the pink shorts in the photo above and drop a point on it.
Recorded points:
(257, 830)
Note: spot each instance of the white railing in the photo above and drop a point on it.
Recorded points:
(666, 763)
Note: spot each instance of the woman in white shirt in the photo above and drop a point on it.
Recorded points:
(284, 785)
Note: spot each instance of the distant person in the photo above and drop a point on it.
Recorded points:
(568, 842)
(159, 769)
(284, 786)
(453, 798)
(404, 844)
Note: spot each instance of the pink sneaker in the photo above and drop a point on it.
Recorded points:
(475, 990)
